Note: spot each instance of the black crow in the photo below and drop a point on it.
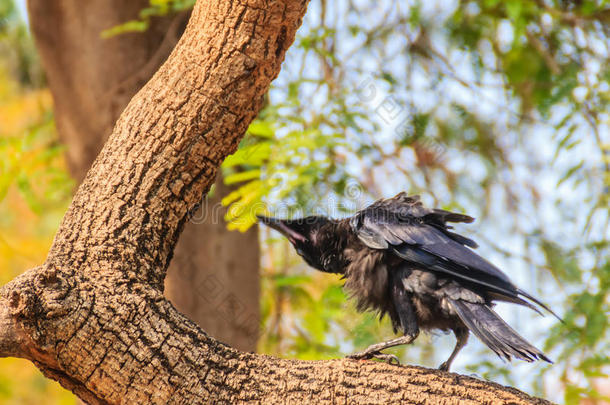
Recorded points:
(400, 258)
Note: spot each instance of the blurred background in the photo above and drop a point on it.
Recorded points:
(495, 109)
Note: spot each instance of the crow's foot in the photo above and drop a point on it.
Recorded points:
(367, 355)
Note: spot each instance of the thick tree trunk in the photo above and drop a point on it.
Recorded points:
(93, 316)
(92, 79)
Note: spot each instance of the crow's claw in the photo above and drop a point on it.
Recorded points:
(388, 358)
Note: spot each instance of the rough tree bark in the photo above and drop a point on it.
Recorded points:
(92, 79)
(93, 315)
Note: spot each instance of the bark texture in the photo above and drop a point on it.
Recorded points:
(93, 315)
(92, 80)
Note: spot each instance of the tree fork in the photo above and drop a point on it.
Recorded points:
(75, 57)
(93, 316)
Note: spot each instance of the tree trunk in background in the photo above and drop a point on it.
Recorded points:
(92, 80)
(216, 272)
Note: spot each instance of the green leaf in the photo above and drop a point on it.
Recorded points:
(129, 26)
(262, 129)
(254, 155)
(242, 176)
(291, 280)
(571, 171)
(513, 9)
(26, 191)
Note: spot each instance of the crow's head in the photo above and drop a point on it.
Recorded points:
(305, 234)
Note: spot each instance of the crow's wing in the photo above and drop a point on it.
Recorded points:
(409, 208)
(403, 226)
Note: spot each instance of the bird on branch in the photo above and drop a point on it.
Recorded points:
(400, 258)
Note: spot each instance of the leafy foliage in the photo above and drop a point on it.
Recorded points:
(156, 8)
(261, 165)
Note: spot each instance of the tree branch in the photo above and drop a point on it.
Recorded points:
(193, 113)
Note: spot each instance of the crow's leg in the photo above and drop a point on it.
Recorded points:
(408, 322)
(461, 334)
(404, 309)
(374, 351)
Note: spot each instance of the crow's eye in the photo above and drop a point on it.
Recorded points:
(300, 252)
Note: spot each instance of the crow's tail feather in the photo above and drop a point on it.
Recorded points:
(531, 298)
(496, 333)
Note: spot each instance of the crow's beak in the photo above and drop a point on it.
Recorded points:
(280, 226)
